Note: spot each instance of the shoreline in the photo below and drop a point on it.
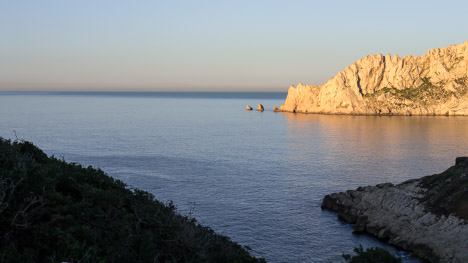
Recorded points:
(417, 215)
(373, 114)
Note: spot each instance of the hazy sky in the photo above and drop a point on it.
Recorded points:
(209, 45)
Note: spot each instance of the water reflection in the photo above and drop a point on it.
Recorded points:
(387, 144)
(332, 153)
(257, 177)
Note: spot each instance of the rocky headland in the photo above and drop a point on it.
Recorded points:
(428, 216)
(433, 84)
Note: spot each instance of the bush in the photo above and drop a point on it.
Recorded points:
(53, 211)
(371, 255)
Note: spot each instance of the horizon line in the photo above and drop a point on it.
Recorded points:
(140, 91)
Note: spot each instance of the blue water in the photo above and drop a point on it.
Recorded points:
(258, 178)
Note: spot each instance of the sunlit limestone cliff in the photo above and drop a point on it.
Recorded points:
(433, 84)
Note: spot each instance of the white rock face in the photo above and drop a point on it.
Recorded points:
(433, 84)
(396, 213)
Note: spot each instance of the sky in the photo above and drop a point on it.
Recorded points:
(175, 45)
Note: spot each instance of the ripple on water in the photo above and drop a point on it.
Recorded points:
(257, 177)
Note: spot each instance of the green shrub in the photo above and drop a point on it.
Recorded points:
(53, 211)
(371, 255)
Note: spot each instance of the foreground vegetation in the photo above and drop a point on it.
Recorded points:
(371, 255)
(53, 211)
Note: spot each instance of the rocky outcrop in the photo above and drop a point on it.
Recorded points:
(260, 107)
(433, 84)
(248, 107)
(428, 216)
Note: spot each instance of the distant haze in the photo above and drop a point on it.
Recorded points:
(210, 45)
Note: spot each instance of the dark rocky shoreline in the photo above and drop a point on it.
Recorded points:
(428, 216)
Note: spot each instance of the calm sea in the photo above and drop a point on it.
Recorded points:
(258, 178)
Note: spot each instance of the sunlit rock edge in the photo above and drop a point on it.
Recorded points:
(433, 84)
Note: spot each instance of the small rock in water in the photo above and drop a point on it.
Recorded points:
(260, 107)
(248, 107)
(275, 108)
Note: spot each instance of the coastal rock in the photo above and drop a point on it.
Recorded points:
(275, 108)
(248, 107)
(427, 216)
(260, 107)
(433, 84)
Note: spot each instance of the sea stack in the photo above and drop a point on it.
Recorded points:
(260, 107)
(248, 107)
(435, 83)
(275, 108)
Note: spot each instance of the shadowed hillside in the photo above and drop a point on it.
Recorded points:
(53, 211)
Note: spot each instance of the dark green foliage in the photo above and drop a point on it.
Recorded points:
(371, 255)
(461, 81)
(448, 192)
(53, 211)
(462, 87)
(427, 93)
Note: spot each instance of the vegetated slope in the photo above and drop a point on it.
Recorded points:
(447, 193)
(433, 84)
(53, 211)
